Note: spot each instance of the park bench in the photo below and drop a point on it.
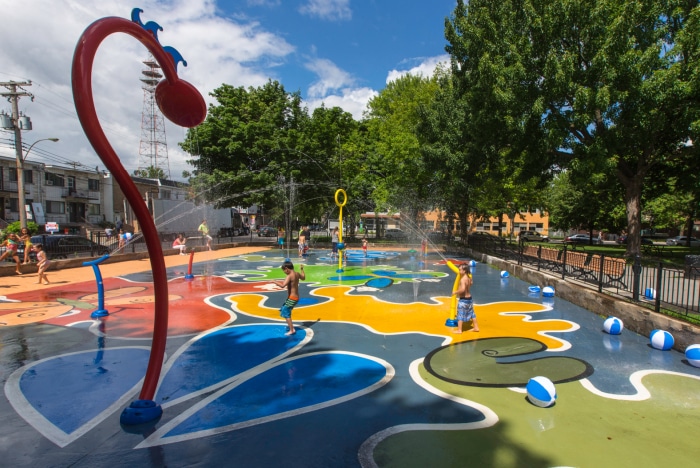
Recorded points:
(531, 254)
(578, 265)
(552, 258)
(653, 249)
(613, 269)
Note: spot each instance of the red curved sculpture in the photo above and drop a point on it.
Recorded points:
(181, 103)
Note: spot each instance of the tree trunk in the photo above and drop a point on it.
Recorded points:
(633, 205)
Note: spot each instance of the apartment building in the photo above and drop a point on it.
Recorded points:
(438, 221)
(73, 198)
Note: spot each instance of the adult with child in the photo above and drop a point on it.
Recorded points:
(291, 282)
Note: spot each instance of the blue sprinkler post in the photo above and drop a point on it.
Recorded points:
(101, 311)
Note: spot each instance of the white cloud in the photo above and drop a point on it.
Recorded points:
(353, 100)
(331, 10)
(330, 77)
(237, 51)
(336, 87)
(425, 68)
(39, 47)
(265, 3)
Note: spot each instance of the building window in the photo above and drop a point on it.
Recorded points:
(71, 182)
(28, 175)
(165, 195)
(93, 209)
(14, 204)
(54, 179)
(55, 207)
(94, 185)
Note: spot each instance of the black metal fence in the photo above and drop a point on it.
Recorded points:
(662, 287)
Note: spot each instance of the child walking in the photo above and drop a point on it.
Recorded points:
(42, 263)
(291, 282)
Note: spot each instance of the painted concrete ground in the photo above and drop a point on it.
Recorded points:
(372, 378)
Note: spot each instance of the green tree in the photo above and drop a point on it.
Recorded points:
(259, 146)
(151, 172)
(606, 83)
(403, 182)
(240, 149)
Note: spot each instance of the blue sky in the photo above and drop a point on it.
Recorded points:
(334, 52)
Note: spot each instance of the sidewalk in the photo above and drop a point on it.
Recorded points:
(67, 274)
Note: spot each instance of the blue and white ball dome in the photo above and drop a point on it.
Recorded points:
(504, 274)
(472, 263)
(613, 325)
(548, 291)
(534, 289)
(661, 339)
(650, 294)
(692, 354)
(541, 392)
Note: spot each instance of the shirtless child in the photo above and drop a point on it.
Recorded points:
(465, 306)
(291, 282)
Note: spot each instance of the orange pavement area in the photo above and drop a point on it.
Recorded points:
(28, 282)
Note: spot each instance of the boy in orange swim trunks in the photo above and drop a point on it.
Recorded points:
(291, 282)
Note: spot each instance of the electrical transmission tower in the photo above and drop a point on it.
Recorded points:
(153, 148)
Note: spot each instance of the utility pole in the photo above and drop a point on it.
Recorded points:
(13, 96)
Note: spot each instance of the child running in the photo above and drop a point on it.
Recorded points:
(42, 263)
(11, 246)
(291, 282)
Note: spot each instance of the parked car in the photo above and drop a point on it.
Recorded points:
(394, 233)
(581, 239)
(532, 236)
(484, 234)
(228, 232)
(683, 240)
(267, 231)
(59, 246)
(437, 236)
(645, 240)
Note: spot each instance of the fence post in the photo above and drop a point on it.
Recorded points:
(539, 256)
(659, 276)
(601, 273)
(636, 273)
(520, 252)
(563, 263)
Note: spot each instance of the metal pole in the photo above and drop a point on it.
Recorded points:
(13, 96)
(20, 164)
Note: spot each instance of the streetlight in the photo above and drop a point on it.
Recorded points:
(20, 178)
